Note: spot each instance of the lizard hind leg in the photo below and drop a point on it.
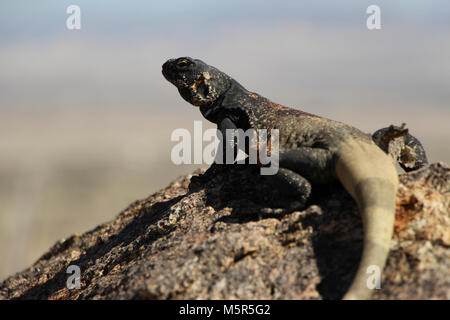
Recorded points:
(292, 185)
(403, 147)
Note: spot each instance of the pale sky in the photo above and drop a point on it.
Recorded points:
(30, 20)
(320, 52)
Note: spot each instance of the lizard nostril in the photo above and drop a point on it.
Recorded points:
(167, 65)
(167, 69)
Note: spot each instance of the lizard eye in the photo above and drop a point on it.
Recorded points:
(183, 63)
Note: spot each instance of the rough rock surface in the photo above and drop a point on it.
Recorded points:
(219, 241)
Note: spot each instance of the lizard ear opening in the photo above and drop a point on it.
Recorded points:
(200, 91)
(203, 90)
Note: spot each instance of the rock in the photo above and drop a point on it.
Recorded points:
(220, 240)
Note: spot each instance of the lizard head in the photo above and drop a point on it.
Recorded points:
(197, 82)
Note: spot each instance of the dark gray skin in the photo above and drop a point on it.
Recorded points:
(312, 151)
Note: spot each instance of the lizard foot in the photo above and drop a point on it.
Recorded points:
(403, 147)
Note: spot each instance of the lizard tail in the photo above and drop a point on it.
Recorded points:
(370, 177)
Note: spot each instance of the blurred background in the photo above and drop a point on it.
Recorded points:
(86, 116)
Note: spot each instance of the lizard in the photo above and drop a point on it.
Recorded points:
(313, 150)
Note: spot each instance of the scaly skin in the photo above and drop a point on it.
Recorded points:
(312, 149)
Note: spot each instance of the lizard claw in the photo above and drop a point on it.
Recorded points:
(214, 170)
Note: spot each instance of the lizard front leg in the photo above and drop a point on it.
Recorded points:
(219, 164)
